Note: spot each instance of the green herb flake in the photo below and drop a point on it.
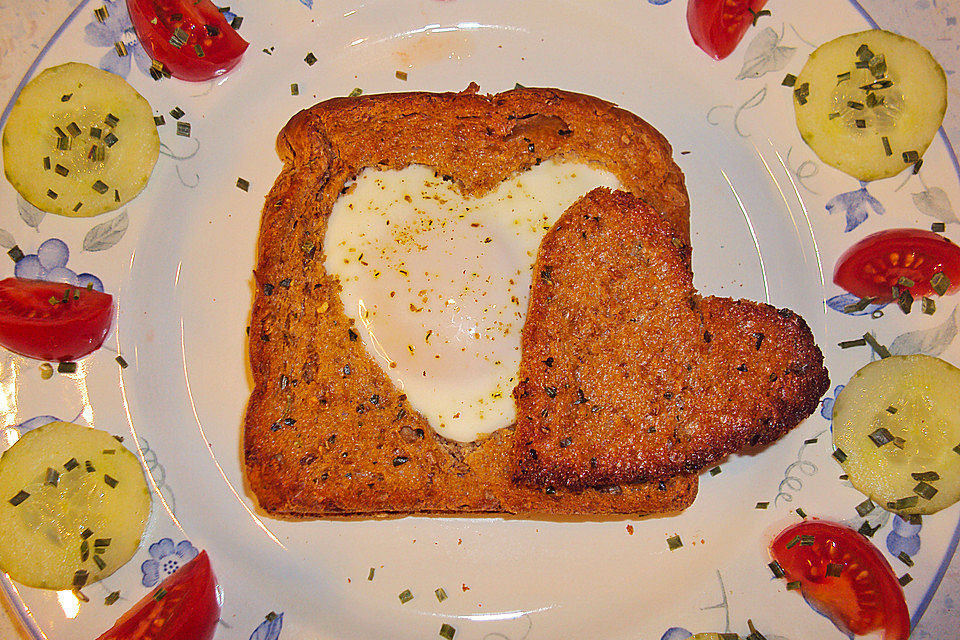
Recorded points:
(940, 283)
(243, 184)
(839, 455)
(310, 59)
(878, 348)
(183, 129)
(111, 598)
(66, 367)
(111, 120)
(51, 194)
(102, 542)
(236, 22)
(100, 187)
(810, 441)
(858, 306)
(123, 363)
(441, 594)
(801, 513)
(159, 594)
(198, 50)
(71, 464)
(356, 92)
(909, 157)
(776, 569)
(834, 569)
(926, 476)
(793, 585)
(881, 436)
(447, 631)
(110, 139)
(865, 507)
(905, 579)
(886, 146)
(674, 542)
(938, 227)
(905, 301)
(925, 490)
(53, 477)
(97, 560)
(401, 75)
(789, 80)
(80, 578)
(853, 104)
(101, 14)
(111, 482)
(807, 540)
(905, 559)
(177, 113)
(159, 120)
(715, 471)
(903, 503)
(18, 499)
(762, 505)
(405, 596)
(294, 89)
(370, 574)
(88, 465)
(928, 306)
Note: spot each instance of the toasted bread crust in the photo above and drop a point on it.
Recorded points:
(326, 432)
(628, 376)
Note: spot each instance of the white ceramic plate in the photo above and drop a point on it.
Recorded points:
(768, 220)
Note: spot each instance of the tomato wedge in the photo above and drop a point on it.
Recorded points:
(190, 37)
(876, 264)
(864, 597)
(52, 320)
(182, 607)
(717, 26)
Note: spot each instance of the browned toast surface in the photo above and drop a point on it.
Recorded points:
(326, 432)
(627, 375)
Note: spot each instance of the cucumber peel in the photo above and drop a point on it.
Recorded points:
(79, 141)
(73, 506)
(869, 103)
(897, 424)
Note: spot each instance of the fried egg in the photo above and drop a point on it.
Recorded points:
(437, 284)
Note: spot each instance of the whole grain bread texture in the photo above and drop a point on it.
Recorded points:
(627, 375)
(326, 432)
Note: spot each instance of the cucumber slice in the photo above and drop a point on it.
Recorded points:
(79, 141)
(869, 103)
(910, 397)
(72, 520)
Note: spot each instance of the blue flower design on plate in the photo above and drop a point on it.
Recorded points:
(675, 633)
(165, 558)
(826, 405)
(904, 538)
(854, 205)
(117, 28)
(658, 2)
(50, 263)
(269, 629)
(843, 301)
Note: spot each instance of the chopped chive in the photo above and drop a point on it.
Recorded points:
(802, 92)
(405, 596)
(160, 593)
(903, 503)
(891, 410)
(110, 139)
(88, 465)
(159, 120)
(833, 115)
(793, 585)
(121, 362)
(61, 170)
(886, 146)
(401, 75)
(905, 579)
(177, 113)
(109, 452)
(909, 157)
(834, 569)
(199, 50)
(715, 471)
(925, 490)
(18, 499)
(46, 163)
(243, 184)
(183, 129)
(310, 59)
(762, 505)
(111, 120)
(878, 348)
(370, 574)
(51, 194)
(15, 253)
(928, 306)
(120, 48)
(674, 542)
(116, 195)
(881, 436)
(447, 632)
(789, 80)
(843, 76)
(913, 518)
(100, 187)
(853, 104)
(80, 578)
(807, 540)
(864, 52)
(97, 560)
(102, 542)
(53, 477)
(938, 227)
(101, 14)
(236, 22)
(866, 530)
(905, 559)
(801, 513)
(857, 306)
(294, 89)
(66, 367)
(810, 441)
(917, 165)
(860, 124)
(64, 144)
(926, 476)
(356, 92)
(77, 206)
(71, 464)
(885, 83)
(441, 594)
(839, 455)
(898, 442)
(179, 38)
(97, 153)
(865, 507)
(873, 100)
(73, 129)
(940, 283)
(905, 301)
(776, 569)
(111, 598)
(111, 482)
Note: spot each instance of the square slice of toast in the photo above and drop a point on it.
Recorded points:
(326, 432)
